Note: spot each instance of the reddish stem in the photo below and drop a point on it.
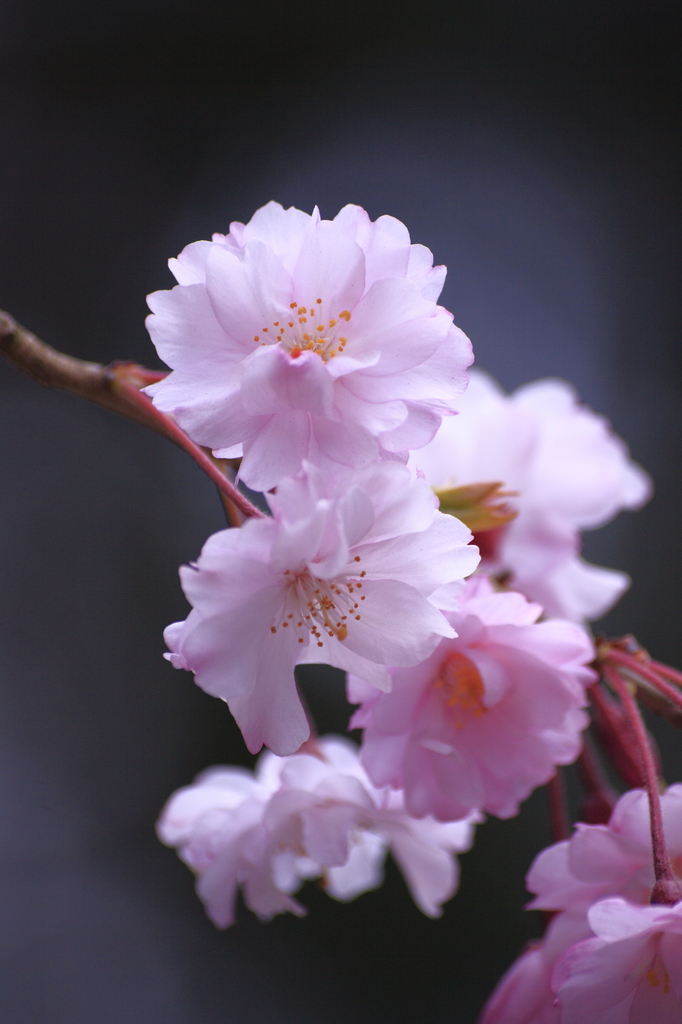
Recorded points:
(173, 431)
(115, 387)
(666, 888)
(646, 671)
(666, 670)
(600, 797)
(615, 735)
(559, 820)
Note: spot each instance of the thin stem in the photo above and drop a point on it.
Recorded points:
(600, 797)
(666, 670)
(615, 736)
(647, 672)
(115, 387)
(666, 888)
(174, 433)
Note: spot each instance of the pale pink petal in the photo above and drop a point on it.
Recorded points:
(187, 312)
(247, 294)
(394, 319)
(416, 430)
(330, 266)
(277, 450)
(431, 873)
(420, 271)
(271, 712)
(190, 266)
(363, 870)
(397, 626)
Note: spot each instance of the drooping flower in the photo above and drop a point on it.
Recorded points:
(313, 814)
(487, 716)
(295, 338)
(630, 973)
(341, 574)
(607, 860)
(598, 861)
(568, 472)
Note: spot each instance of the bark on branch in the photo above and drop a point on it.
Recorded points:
(116, 387)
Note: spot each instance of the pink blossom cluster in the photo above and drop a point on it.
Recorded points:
(315, 353)
(296, 338)
(608, 957)
(564, 471)
(487, 717)
(310, 815)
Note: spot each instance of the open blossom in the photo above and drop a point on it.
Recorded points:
(570, 472)
(629, 973)
(598, 861)
(607, 860)
(487, 716)
(296, 338)
(305, 816)
(341, 574)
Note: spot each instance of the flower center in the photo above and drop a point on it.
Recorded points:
(658, 976)
(307, 329)
(462, 687)
(320, 607)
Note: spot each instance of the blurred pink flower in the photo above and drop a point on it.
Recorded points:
(487, 716)
(296, 338)
(569, 877)
(607, 860)
(310, 815)
(571, 474)
(342, 575)
(631, 973)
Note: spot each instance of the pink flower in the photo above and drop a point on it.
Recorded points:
(607, 860)
(631, 973)
(342, 574)
(296, 338)
(570, 471)
(305, 816)
(487, 716)
(569, 877)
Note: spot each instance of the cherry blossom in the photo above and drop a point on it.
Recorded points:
(630, 973)
(568, 472)
(295, 338)
(568, 878)
(607, 860)
(310, 815)
(341, 574)
(487, 716)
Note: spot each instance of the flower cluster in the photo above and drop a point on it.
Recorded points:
(487, 717)
(295, 338)
(424, 538)
(342, 573)
(564, 471)
(599, 883)
(311, 815)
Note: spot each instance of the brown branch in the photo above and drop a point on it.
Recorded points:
(116, 387)
(53, 369)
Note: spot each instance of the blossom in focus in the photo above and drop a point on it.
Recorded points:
(341, 574)
(630, 973)
(598, 861)
(294, 338)
(569, 473)
(310, 815)
(487, 716)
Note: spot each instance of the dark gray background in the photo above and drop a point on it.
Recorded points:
(533, 147)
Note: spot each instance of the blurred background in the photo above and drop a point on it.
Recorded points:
(534, 147)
